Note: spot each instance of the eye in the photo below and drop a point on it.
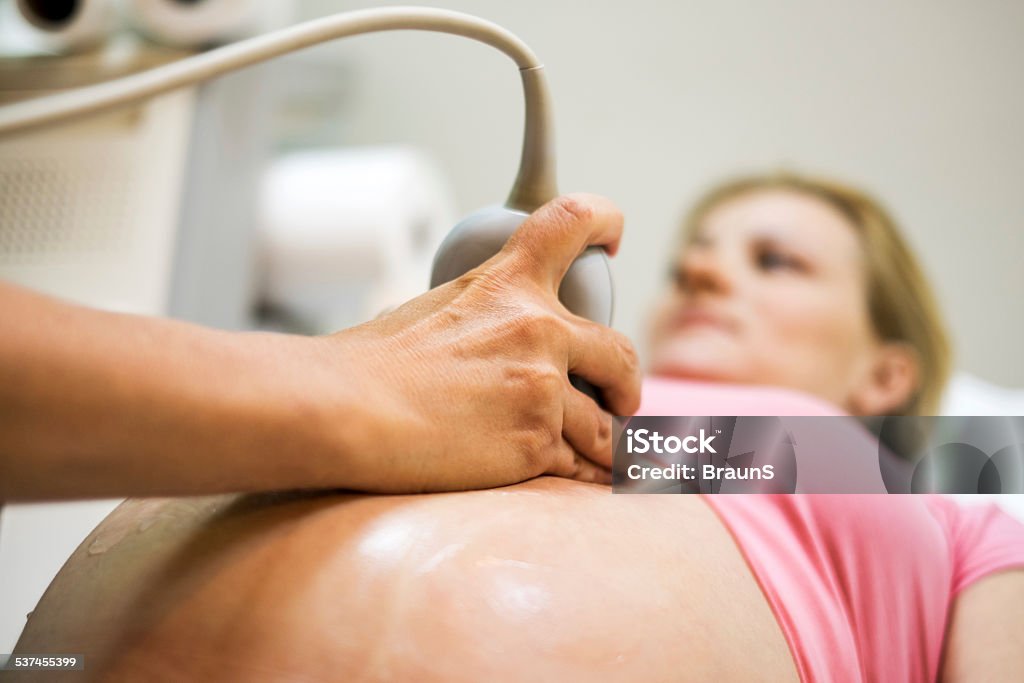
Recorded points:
(773, 259)
(677, 276)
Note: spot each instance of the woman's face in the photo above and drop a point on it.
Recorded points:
(770, 291)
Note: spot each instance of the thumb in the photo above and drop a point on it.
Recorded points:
(547, 242)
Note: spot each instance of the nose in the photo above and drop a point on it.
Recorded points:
(703, 269)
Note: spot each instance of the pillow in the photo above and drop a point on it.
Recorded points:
(969, 395)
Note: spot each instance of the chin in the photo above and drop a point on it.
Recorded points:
(710, 365)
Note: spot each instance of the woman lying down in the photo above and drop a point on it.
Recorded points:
(783, 282)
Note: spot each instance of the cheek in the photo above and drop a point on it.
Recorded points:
(810, 330)
(660, 317)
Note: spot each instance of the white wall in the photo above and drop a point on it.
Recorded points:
(919, 101)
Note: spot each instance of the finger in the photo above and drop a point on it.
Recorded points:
(606, 358)
(587, 428)
(547, 242)
(570, 464)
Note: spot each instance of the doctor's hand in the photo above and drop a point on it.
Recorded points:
(468, 385)
(464, 387)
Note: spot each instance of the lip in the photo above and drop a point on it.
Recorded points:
(693, 316)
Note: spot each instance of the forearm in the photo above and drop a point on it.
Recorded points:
(465, 386)
(985, 638)
(96, 404)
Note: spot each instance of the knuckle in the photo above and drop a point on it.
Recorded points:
(518, 329)
(551, 385)
(626, 391)
(548, 326)
(630, 358)
(535, 329)
(623, 350)
(535, 447)
(518, 377)
(536, 391)
(538, 388)
(599, 434)
(573, 208)
(603, 430)
(565, 464)
(528, 453)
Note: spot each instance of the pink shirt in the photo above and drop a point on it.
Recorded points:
(861, 585)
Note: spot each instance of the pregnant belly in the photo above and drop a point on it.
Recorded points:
(546, 580)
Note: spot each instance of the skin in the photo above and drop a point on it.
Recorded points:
(102, 404)
(986, 632)
(549, 579)
(772, 290)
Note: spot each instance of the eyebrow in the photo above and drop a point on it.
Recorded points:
(700, 237)
(771, 232)
(758, 233)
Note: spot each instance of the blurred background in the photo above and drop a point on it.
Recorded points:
(919, 102)
(309, 193)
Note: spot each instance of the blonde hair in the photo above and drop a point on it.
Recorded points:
(901, 305)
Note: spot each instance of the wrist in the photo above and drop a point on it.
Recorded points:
(318, 418)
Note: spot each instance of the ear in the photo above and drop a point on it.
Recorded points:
(889, 381)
